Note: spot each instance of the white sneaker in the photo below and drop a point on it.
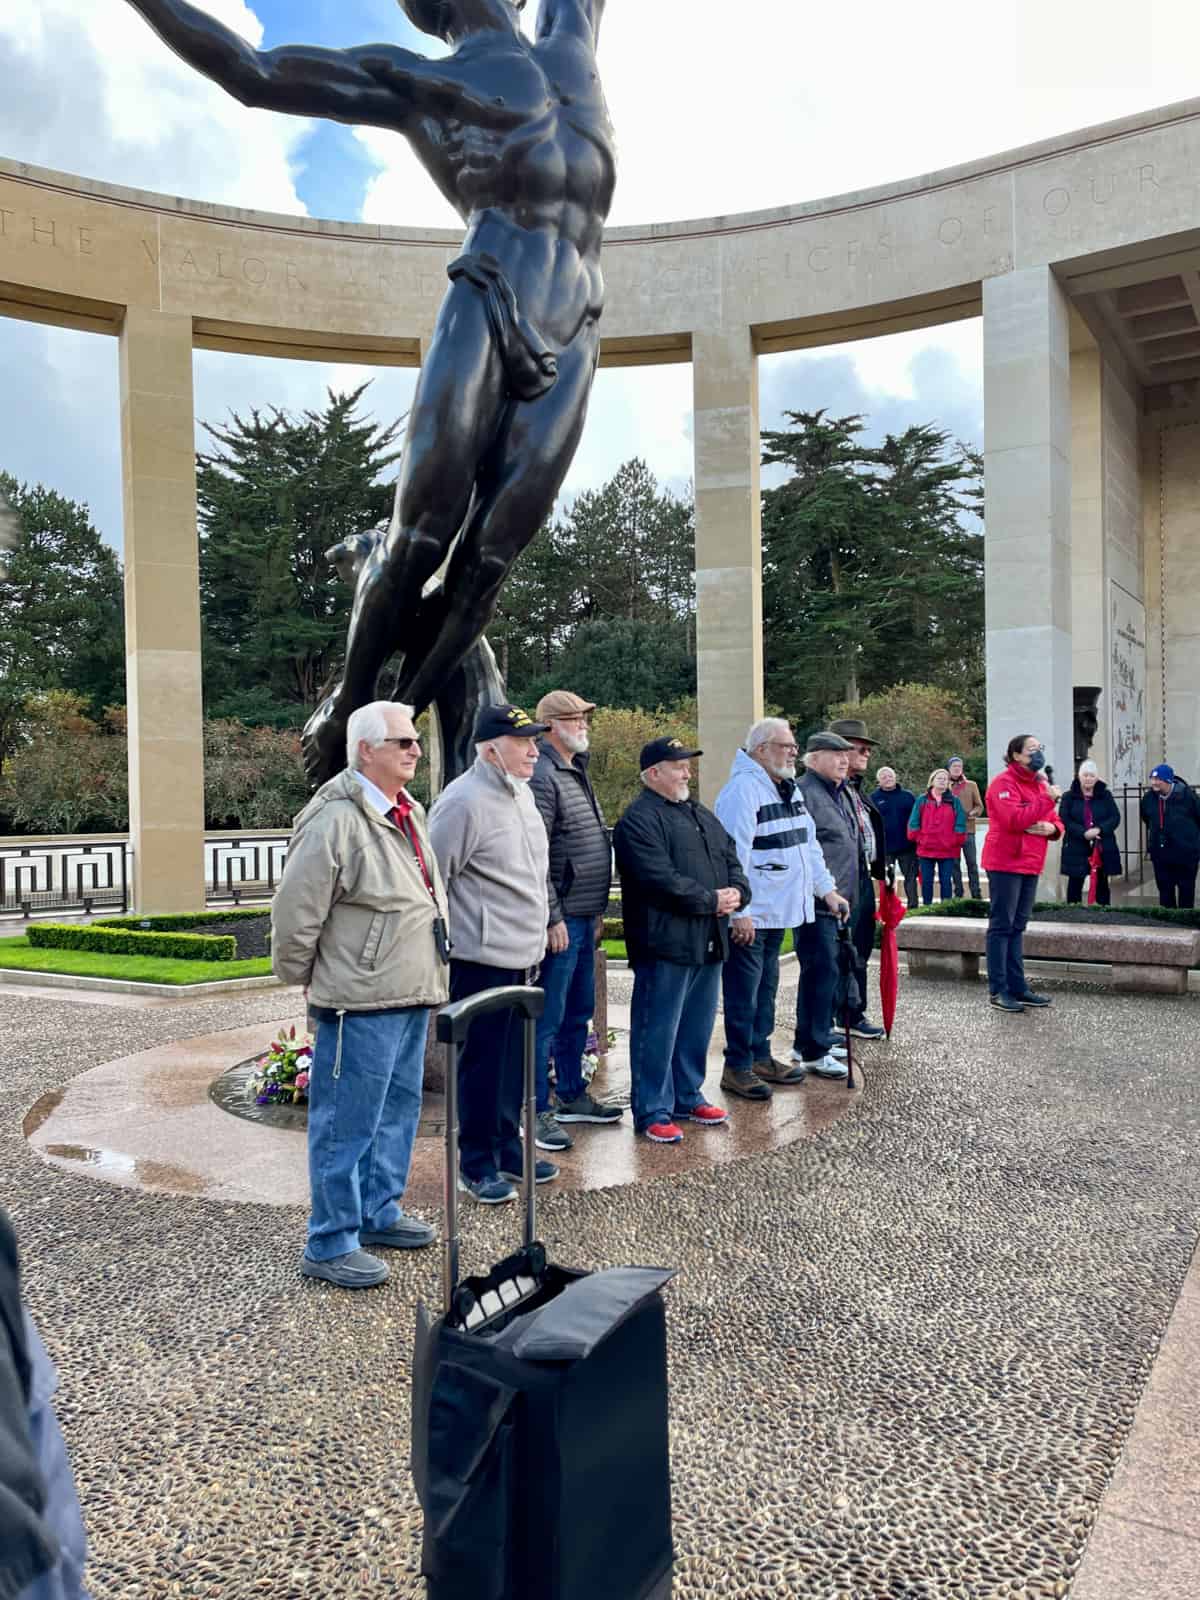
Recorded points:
(835, 1050)
(829, 1067)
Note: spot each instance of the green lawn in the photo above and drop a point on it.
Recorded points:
(615, 948)
(20, 955)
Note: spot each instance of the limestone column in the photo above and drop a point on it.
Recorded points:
(162, 613)
(1027, 468)
(729, 649)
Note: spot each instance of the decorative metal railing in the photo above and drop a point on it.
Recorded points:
(37, 879)
(238, 867)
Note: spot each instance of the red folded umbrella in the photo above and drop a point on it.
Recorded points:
(1095, 862)
(889, 914)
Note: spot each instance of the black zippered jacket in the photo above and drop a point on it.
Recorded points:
(27, 1546)
(580, 853)
(673, 856)
(1176, 840)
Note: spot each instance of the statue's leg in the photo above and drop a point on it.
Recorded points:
(459, 399)
(517, 486)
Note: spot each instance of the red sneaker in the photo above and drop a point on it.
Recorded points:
(708, 1116)
(663, 1133)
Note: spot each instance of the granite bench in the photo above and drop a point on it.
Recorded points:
(1153, 959)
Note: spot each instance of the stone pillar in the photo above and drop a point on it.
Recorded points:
(1088, 607)
(1027, 459)
(162, 613)
(729, 652)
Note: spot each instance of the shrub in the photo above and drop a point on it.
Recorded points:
(173, 924)
(1172, 917)
(918, 726)
(617, 739)
(125, 942)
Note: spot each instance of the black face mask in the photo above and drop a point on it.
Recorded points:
(1037, 761)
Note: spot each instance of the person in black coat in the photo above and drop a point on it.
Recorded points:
(681, 881)
(1171, 813)
(1091, 816)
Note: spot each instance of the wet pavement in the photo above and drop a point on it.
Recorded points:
(907, 1351)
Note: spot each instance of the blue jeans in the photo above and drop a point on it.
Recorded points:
(671, 1021)
(749, 984)
(816, 951)
(945, 875)
(1012, 897)
(491, 1077)
(569, 979)
(364, 1104)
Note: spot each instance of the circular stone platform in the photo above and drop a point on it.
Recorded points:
(149, 1121)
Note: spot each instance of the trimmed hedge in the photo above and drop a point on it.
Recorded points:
(174, 924)
(126, 942)
(979, 908)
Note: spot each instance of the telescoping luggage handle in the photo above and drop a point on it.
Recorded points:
(453, 1022)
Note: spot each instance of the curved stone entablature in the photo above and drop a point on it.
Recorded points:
(900, 255)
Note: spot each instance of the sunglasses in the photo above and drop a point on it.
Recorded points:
(404, 743)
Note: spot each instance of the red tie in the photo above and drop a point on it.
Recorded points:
(401, 815)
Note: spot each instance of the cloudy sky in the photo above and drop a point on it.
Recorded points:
(717, 108)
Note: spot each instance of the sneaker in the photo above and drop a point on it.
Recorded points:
(357, 1270)
(663, 1133)
(584, 1109)
(707, 1116)
(1031, 999)
(548, 1134)
(866, 1030)
(488, 1191)
(410, 1233)
(829, 1067)
(780, 1071)
(837, 1051)
(1005, 1002)
(741, 1081)
(543, 1172)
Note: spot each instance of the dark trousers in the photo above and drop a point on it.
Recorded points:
(749, 984)
(1176, 884)
(906, 862)
(1012, 897)
(971, 858)
(945, 875)
(862, 937)
(816, 952)
(1076, 886)
(490, 1076)
(569, 982)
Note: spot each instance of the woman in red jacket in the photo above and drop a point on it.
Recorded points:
(938, 823)
(1022, 819)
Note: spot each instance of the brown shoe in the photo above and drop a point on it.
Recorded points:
(744, 1083)
(775, 1071)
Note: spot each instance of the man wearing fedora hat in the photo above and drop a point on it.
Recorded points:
(872, 864)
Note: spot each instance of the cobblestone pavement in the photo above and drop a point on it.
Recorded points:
(905, 1353)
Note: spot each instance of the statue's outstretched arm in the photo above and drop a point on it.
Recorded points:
(372, 83)
(580, 17)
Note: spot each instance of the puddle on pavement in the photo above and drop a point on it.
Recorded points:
(119, 1168)
(231, 1091)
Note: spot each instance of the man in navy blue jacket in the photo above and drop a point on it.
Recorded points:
(894, 805)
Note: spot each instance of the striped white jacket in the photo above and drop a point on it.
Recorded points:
(776, 844)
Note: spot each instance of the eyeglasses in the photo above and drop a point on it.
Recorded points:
(783, 744)
(403, 743)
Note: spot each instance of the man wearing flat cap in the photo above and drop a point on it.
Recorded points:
(872, 864)
(580, 875)
(491, 846)
(681, 881)
(823, 791)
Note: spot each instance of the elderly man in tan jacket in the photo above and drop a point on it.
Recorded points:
(360, 920)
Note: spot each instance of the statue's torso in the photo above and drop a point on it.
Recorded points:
(531, 167)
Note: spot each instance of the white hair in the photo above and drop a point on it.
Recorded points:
(882, 770)
(368, 725)
(763, 730)
(1088, 766)
(482, 746)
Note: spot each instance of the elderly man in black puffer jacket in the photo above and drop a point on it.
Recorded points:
(580, 876)
(681, 881)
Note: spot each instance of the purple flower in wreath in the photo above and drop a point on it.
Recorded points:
(592, 1047)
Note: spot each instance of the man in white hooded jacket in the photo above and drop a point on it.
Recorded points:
(765, 814)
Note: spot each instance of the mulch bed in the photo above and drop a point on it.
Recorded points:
(253, 934)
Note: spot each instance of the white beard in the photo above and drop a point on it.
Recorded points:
(576, 743)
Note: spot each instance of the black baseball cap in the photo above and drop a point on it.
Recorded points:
(494, 722)
(665, 750)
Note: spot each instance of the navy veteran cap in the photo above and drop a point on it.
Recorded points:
(493, 722)
(665, 750)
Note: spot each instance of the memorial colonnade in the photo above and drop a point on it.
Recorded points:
(1081, 255)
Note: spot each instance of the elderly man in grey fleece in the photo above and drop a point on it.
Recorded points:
(491, 845)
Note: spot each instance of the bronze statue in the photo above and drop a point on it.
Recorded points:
(516, 135)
